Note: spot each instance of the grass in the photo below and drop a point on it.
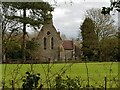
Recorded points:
(97, 72)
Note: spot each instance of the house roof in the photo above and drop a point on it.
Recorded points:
(68, 45)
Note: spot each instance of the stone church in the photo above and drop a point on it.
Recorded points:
(51, 46)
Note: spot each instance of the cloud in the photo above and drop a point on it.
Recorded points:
(75, 1)
(60, 13)
(97, 0)
(67, 17)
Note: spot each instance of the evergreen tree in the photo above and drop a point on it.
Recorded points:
(90, 39)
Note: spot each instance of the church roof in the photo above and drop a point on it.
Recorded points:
(68, 45)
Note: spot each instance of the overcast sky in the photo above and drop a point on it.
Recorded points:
(67, 16)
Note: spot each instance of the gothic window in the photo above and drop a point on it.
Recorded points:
(45, 42)
(52, 43)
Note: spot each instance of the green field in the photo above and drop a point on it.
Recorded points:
(97, 72)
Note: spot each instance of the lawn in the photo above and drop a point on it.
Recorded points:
(97, 72)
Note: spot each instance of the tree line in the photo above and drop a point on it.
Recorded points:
(99, 33)
(100, 39)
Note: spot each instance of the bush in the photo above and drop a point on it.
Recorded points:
(30, 81)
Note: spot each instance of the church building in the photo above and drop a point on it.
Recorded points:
(51, 46)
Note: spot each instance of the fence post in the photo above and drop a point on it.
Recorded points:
(40, 87)
(3, 87)
(12, 85)
(105, 83)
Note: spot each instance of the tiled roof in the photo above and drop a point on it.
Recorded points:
(68, 45)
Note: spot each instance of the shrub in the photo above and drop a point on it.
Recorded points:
(30, 81)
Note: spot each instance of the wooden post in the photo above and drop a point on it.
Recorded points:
(105, 83)
(13, 85)
(40, 87)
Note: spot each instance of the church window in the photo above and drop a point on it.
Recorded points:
(48, 33)
(45, 42)
(52, 43)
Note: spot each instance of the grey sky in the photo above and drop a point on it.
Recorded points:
(68, 17)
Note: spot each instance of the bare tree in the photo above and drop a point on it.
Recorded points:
(104, 25)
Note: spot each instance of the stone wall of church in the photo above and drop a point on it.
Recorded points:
(49, 43)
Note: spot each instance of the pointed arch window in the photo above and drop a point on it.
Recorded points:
(52, 43)
(45, 42)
